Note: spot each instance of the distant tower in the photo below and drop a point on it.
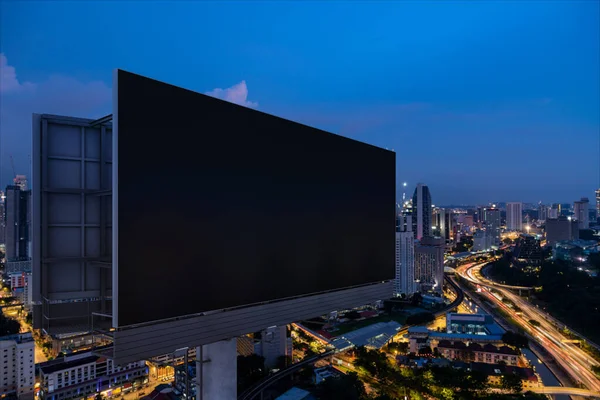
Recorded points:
(597, 203)
(421, 211)
(429, 263)
(17, 223)
(405, 258)
(542, 212)
(2, 217)
(514, 216)
(581, 213)
(21, 182)
(491, 216)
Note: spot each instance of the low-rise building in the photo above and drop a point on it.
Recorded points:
(478, 324)
(85, 375)
(324, 373)
(184, 380)
(475, 352)
(17, 373)
(529, 378)
(472, 328)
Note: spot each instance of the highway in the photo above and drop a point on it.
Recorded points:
(268, 381)
(572, 359)
(565, 390)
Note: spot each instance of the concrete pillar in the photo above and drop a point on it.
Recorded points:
(216, 370)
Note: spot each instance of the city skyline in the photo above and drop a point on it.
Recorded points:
(480, 82)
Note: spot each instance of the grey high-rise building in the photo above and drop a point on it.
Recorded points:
(514, 216)
(565, 209)
(421, 211)
(581, 213)
(2, 217)
(597, 203)
(17, 211)
(542, 212)
(561, 228)
(405, 258)
(429, 263)
(443, 221)
(492, 221)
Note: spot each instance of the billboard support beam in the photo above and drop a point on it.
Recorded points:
(100, 121)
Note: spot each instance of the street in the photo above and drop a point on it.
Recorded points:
(572, 359)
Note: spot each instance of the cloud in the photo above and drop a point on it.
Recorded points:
(58, 94)
(237, 94)
(8, 78)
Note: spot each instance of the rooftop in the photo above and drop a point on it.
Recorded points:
(55, 367)
(376, 335)
(18, 337)
(296, 394)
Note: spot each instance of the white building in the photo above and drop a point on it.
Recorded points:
(85, 374)
(514, 216)
(405, 258)
(581, 213)
(17, 372)
(274, 343)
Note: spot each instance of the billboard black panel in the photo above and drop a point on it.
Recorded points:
(222, 206)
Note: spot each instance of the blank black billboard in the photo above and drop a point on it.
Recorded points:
(222, 206)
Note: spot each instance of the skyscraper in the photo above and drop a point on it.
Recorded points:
(561, 228)
(17, 206)
(597, 203)
(491, 217)
(514, 216)
(2, 217)
(429, 263)
(405, 258)
(581, 213)
(421, 211)
(542, 212)
(443, 221)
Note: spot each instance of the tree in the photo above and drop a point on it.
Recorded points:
(507, 241)
(534, 322)
(400, 347)
(250, 369)
(420, 318)
(515, 339)
(8, 326)
(596, 370)
(283, 362)
(416, 299)
(343, 387)
(352, 315)
(425, 351)
(511, 382)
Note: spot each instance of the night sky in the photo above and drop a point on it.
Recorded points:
(483, 101)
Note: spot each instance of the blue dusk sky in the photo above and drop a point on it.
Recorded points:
(482, 100)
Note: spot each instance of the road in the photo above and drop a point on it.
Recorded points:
(565, 390)
(572, 359)
(265, 383)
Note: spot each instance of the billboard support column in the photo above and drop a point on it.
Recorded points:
(214, 365)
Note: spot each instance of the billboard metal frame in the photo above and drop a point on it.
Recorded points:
(70, 184)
